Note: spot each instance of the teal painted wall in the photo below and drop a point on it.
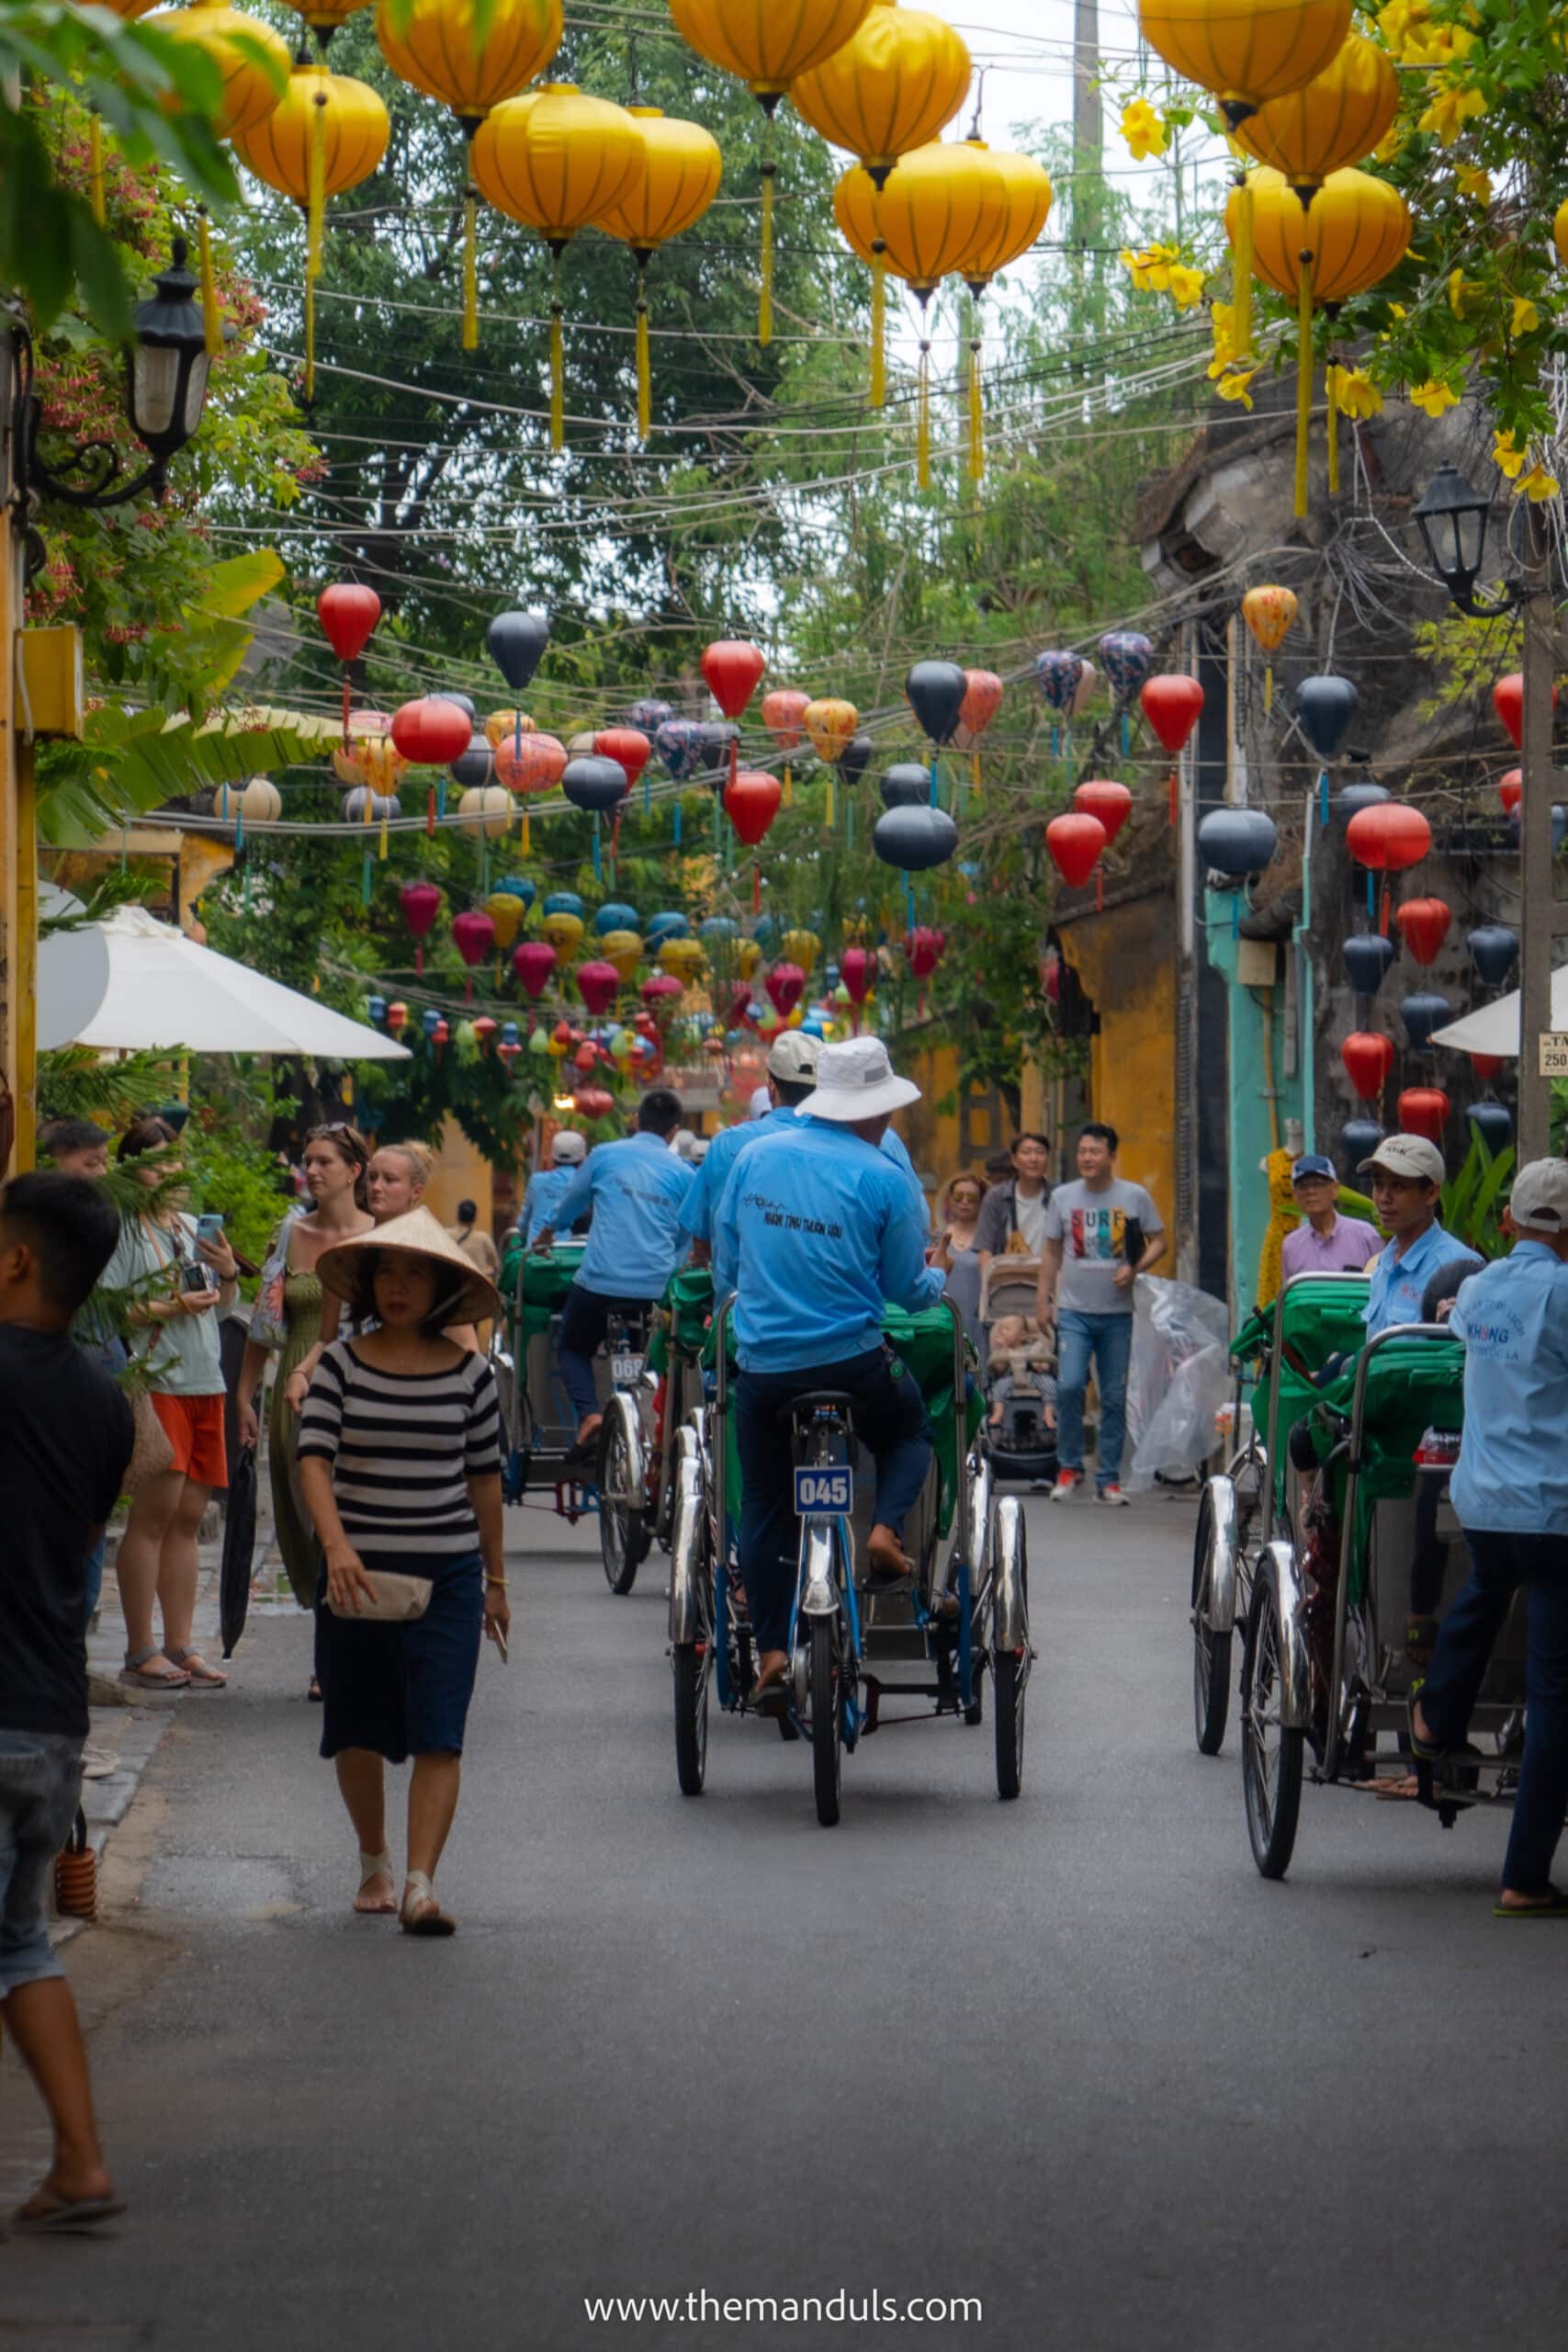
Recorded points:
(1252, 1070)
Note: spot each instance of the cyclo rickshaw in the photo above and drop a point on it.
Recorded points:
(1329, 1658)
(964, 1608)
(542, 1427)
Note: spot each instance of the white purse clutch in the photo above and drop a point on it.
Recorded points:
(398, 1600)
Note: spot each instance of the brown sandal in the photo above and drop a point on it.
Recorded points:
(135, 1674)
(202, 1675)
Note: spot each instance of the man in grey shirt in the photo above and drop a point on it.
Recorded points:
(1017, 1205)
(1100, 1234)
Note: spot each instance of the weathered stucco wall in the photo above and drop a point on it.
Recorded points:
(1125, 960)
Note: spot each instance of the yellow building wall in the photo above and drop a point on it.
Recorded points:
(1125, 961)
(461, 1173)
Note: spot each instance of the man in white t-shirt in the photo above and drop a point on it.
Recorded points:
(1013, 1216)
(1100, 1234)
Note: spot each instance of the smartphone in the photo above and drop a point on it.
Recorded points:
(208, 1228)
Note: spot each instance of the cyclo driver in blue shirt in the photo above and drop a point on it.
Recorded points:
(820, 1229)
(549, 1187)
(636, 1189)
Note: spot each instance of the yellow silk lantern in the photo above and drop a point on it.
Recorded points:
(683, 958)
(768, 47)
(896, 82)
(556, 160)
(802, 947)
(435, 46)
(624, 949)
(1560, 234)
(1355, 230)
(503, 723)
(563, 930)
(1246, 52)
(253, 63)
(324, 16)
(506, 910)
(681, 171)
(748, 959)
(328, 133)
(1029, 194)
(1269, 613)
(830, 723)
(1335, 120)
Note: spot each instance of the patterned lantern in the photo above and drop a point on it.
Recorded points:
(1268, 614)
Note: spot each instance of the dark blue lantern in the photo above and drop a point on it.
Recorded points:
(1493, 1124)
(1493, 951)
(1368, 955)
(855, 758)
(914, 839)
(1361, 793)
(1421, 1014)
(1359, 1139)
(905, 785)
(430, 1020)
(1325, 708)
(474, 768)
(672, 924)
(935, 691)
(377, 1008)
(1236, 841)
(720, 738)
(614, 916)
(519, 886)
(590, 782)
(515, 643)
(567, 902)
(509, 1033)
(464, 702)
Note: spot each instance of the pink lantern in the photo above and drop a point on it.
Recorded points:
(661, 992)
(473, 935)
(534, 962)
(597, 985)
(784, 985)
(420, 903)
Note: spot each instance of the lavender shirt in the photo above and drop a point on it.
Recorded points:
(1345, 1252)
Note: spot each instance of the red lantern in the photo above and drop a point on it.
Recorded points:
(431, 734)
(1075, 843)
(1386, 838)
(783, 715)
(627, 746)
(347, 613)
(733, 669)
(1172, 704)
(1424, 925)
(739, 1004)
(981, 700)
(397, 1016)
(473, 935)
(1368, 1058)
(1424, 1111)
(420, 903)
(857, 969)
(508, 1055)
(751, 803)
(922, 950)
(439, 1035)
(592, 1102)
(661, 992)
(1511, 789)
(597, 985)
(586, 1058)
(1111, 803)
(1486, 1066)
(784, 984)
(484, 1030)
(534, 962)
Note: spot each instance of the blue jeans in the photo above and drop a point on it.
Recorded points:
(890, 1418)
(1500, 1562)
(40, 1783)
(1108, 1339)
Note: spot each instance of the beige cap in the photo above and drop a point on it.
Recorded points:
(1407, 1156)
(792, 1056)
(1539, 1201)
(421, 1235)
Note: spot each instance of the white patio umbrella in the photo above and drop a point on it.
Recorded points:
(132, 982)
(1495, 1029)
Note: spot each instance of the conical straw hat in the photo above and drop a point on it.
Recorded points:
(422, 1236)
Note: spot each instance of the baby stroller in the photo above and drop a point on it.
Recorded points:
(1021, 1377)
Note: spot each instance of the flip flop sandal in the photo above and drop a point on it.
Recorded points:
(418, 1889)
(1428, 1750)
(202, 1675)
(134, 1674)
(64, 2216)
(1556, 1907)
(376, 1866)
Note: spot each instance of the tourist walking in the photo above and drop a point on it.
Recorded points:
(65, 1440)
(1013, 1218)
(1100, 1234)
(288, 1321)
(400, 1455)
(179, 1283)
(956, 1248)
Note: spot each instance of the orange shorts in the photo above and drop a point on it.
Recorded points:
(194, 1427)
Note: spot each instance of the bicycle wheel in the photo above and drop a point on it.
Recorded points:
(1210, 1651)
(826, 1751)
(1270, 1752)
(1008, 1692)
(621, 1544)
(691, 1717)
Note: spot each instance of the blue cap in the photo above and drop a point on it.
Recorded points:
(1311, 1164)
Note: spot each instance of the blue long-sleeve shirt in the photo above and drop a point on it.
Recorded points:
(636, 1190)
(1512, 1473)
(542, 1202)
(821, 1229)
(704, 1201)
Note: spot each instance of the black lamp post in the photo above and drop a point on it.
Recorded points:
(1453, 519)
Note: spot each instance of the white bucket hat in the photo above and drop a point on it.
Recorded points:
(856, 1080)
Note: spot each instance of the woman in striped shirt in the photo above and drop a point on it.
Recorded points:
(400, 1467)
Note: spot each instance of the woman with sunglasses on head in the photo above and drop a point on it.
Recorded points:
(335, 1161)
(957, 1221)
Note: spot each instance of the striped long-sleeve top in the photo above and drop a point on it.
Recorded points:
(402, 1446)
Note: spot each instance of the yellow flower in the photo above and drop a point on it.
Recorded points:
(1355, 391)
(1434, 397)
(1186, 287)
(1232, 385)
(1458, 289)
(1388, 145)
(1504, 454)
(1402, 26)
(1537, 486)
(1397, 311)
(1143, 129)
(1526, 318)
(1222, 317)
(1450, 111)
(1471, 181)
(1150, 270)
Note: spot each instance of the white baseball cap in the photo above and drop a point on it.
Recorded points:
(761, 1105)
(1539, 1203)
(1407, 1156)
(793, 1056)
(856, 1080)
(569, 1148)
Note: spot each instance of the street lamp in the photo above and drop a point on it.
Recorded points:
(1453, 519)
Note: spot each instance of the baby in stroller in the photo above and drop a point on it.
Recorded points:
(1021, 1424)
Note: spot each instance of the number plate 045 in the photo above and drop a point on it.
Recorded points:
(819, 1489)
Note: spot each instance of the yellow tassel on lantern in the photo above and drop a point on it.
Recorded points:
(309, 338)
(527, 841)
(1267, 687)
(788, 797)
(95, 169)
(1303, 381)
(976, 418)
(381, 848)
(923, 419)
(1241, 273)
(644, 365)
(878, 327)
(212, 316)
(317, 206)
(974, 769)
(765, 306)
(829, 811)
(1333, 431)
(471, 270)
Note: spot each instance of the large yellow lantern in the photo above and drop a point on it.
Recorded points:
(436, 47)
(327, 134)
(556, 160)
(1335, 120)
(1355, 230)
(624, 949)
(802, 947)
(895, 84)
(768, 46)
(1029, 197)
(1270, 613)
(563, 930)
(324, 16)
(681, 171)
(682, 957)
(1246, 52)
(253, 64)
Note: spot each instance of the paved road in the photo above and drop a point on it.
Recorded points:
(1071, 2056)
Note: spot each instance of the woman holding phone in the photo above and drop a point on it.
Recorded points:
(180, 1284)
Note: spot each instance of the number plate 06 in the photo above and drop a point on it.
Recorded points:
(625, 1369)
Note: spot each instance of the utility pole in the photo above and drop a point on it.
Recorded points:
(1088, 213)
(1541, 915)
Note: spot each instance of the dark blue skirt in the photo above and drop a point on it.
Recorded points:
(402, 1690)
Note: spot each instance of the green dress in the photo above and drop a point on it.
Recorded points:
(303, 1299)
